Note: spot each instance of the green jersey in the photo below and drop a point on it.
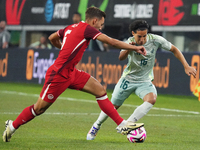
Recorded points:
(140, 67)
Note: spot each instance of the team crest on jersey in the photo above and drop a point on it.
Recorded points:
(50, 96)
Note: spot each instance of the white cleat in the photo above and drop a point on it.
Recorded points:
(128, 127)
(92, 133)
(7, 134)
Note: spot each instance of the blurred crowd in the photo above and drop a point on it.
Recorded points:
(186, 41)
(4, 36)
(39, 40)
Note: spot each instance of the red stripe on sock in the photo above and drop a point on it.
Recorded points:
(101, 96)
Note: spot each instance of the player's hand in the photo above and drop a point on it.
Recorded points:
(190, 71)
(141, 50)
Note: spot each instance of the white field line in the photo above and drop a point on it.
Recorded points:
(96, 114)
(94, 101)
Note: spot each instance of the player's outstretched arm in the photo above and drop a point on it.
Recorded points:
(55, 40)
(188, 69)
(121, 45)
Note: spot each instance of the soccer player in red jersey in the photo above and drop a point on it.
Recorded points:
(63, 74)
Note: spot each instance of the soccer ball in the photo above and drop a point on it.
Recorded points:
(137, 136)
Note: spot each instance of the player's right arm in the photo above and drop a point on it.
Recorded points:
(121, 45)
(123, 54)
(55, 40)
(188, 69)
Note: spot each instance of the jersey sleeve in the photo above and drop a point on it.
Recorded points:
(164, 44)
(61, 32)
(91, 33)
(130, 40)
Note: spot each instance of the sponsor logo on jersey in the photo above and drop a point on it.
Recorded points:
(121, 93)
(152, 50)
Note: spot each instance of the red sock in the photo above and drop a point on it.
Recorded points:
(26, 115)
(108, 108)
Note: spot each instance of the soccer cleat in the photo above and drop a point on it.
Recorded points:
(7, 133)
(92, 133)
(128, 127)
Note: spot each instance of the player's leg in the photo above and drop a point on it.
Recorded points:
(97, 125)
(51, 90)
(119, 95)
(28, 113)
(148, 93)
(83, 81)
(102, 118)
(31, 112)
(95, 88)
(24, 117)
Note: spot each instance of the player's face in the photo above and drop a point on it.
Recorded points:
(2, 25)
(98, 23)
(140, 36)
(76, 18)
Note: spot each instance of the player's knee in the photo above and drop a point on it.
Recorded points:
(151, 98)
(116, 106)
(39, 111)
(152, 101)
(102, 91)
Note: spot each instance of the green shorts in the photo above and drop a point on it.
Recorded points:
(124, 88)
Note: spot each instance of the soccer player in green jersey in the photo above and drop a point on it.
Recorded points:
(138, 74)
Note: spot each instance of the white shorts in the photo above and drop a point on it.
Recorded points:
(124, 88)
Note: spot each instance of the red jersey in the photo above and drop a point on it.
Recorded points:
(75, 39)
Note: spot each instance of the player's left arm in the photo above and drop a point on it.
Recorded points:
(55, 40)
(188, 69)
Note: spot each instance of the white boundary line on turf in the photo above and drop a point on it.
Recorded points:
(95, 114)
(94, 101)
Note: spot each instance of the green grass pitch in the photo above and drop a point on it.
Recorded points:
(172, 124)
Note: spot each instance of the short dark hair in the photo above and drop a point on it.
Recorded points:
(44, 35)
(77, 13)
(94, 12)
(138, 25)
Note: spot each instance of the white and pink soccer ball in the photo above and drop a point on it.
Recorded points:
(137, 136)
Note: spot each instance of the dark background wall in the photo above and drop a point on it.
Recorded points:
(30, 66)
